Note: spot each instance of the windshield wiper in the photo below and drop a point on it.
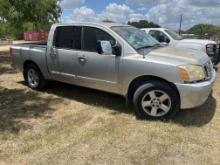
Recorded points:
(149, 46)
(145, 47)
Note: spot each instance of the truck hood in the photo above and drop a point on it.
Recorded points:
(197, 41)
(176, 56)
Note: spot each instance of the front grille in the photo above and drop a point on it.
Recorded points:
(213, 51)
(208, 68)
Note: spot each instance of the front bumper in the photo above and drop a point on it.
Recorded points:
(194, 95)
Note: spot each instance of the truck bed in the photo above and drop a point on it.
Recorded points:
(35, 52)
(31, 44)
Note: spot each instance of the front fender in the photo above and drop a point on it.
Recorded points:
(132, 69)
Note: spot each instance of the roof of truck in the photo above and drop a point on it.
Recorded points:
(106, 24)
(148, 29)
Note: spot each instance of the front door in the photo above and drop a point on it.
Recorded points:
(96, 70)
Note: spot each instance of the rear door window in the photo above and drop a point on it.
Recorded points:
(68, 37)
(91, 36)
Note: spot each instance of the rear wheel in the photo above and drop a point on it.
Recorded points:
(34, 77)
(156, 100)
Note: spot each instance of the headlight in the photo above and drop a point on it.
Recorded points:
(191, 73)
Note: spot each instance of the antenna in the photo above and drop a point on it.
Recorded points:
(181, 19)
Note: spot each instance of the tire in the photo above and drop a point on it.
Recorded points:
(149, 103)
(40, 83)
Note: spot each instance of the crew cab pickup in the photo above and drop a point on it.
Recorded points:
(164, 35)
(158, 80)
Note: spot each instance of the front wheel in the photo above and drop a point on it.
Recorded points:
(156, 100)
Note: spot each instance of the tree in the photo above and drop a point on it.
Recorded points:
(202, 29)
(37, 14)
(144, 24)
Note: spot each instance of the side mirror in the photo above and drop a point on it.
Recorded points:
(162, 39)
(105, 47)
(167, 40)
(117, 49)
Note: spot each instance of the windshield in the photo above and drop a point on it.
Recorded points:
(174, 35)
(137, 38)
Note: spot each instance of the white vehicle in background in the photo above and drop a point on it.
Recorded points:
(167, 36)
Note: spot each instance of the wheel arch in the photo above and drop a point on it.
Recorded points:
(29, 62)
(138, 81)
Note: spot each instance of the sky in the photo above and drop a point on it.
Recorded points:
(164, 12)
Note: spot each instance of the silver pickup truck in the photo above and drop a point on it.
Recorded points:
(158, 80)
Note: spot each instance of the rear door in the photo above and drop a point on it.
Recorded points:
(97, 70)
(67, 44)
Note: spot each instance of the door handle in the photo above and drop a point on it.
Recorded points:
(52, 54)
(82, 58)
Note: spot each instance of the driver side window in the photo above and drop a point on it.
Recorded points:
(159, 36)
(91, 37)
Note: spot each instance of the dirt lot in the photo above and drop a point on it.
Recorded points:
(72, 125)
